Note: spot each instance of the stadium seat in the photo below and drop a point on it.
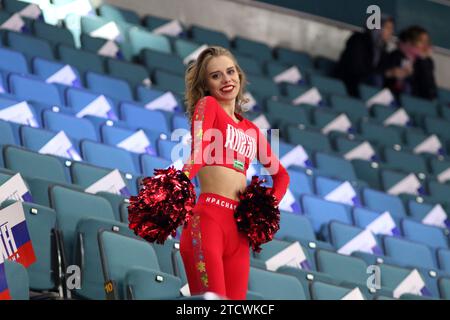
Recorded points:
(108, 157)
(169, 81)
(419, 107)
(121, 256)
(255, 49)
(321, 211)
(335, 167)
(300, 59)
(113, 135)
(79, 230)
(208, 36)
(149, 163)
(45, 69)
(437, 126)
(281, 114)
(31, 89)
(78, 99)
(17, 279)
(13, 61)
(390, 178)
(183, 47)
(444, 288)
(76, 128)
(91, 23)
(34, 139)
(380, 202)
(34, 165)
(405, 161)
(138, 117)
(113, 87)
(439, 166)
(135, 74)
(310, 139)
(249, 65)
(29, 45)
(105, 48)
(429, 235)
(142, 39)
(439, 191)
(152, 22)
(272, 285)
(82, 60)
(355, 109)
(380, 135)
(53, 34)
(363, 217)
(341, 234)
(444, 260)
(153, 59)
(114, 13)
(300, 183)
(328, 85)
(408, 254)
(263, 86)
(347, 269)
(326, 291)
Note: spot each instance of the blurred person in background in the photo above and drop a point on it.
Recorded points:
(410, 68)
(363, 56)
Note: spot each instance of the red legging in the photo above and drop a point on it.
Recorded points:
(215, 254)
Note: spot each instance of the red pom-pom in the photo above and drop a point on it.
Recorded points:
(257, 214)
(165, 201)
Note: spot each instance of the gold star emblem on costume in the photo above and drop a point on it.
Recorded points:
(201, 266)
(205, 280)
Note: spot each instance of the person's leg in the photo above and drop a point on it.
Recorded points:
(237, 267)
(202, 250)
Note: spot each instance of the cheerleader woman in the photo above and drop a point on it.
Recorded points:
(215, 254)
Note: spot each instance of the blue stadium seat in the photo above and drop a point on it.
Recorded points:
(28, 88)
(79, 230)
(77, 128)
(78, 99)
(380, 201)
(29, 45)
(409, 254)
(108, 157)
(13, 61)
(138, 117)
(300, 183)
(335, 166)
(321, 211)
(149, 163)
(46, 68)
(17, 280)
(429, 235)
(444, 259)
(123, 257)
(109, 86)
(82, 60)
(34, 139)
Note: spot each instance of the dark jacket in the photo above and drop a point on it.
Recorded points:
(356, 64)
(421, 83)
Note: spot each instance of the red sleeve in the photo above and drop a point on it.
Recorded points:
(203, 119)
(270, 161)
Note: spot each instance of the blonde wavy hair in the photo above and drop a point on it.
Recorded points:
(195, 79)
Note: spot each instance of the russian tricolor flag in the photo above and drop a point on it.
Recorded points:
(15, 242)
(4, 291)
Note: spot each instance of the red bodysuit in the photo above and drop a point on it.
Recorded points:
(215, 254)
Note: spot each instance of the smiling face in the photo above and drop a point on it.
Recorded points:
(222, 79)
